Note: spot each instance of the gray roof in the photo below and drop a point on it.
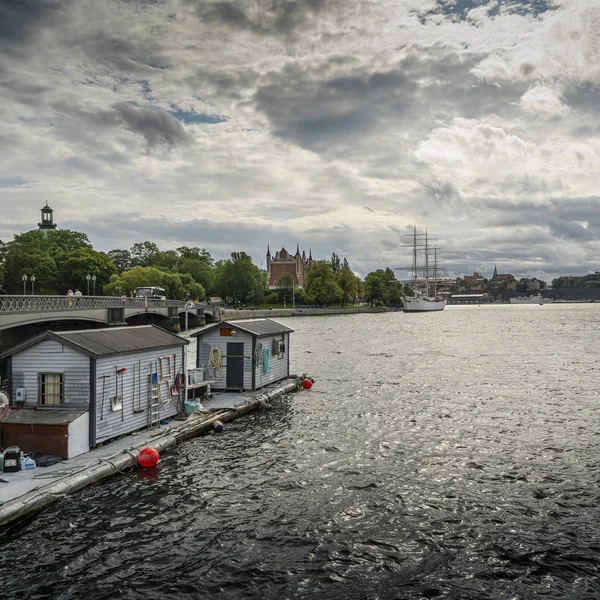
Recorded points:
(257, 327)
(103, 342)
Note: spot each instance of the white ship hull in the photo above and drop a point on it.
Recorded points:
(422, 304)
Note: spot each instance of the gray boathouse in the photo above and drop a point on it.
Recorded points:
(90, 386)
(243, 355)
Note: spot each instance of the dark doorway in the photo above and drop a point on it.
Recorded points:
(235, 366)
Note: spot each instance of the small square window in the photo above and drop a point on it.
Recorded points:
(51, 389)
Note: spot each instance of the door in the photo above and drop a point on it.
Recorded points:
(235, 366)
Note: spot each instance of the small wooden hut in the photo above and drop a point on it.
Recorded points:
(244, 355)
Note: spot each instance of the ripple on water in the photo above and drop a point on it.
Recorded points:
(439, 456)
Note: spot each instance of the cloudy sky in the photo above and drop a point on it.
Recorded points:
(335, 124)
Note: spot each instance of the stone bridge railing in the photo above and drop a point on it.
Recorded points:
(20, 304)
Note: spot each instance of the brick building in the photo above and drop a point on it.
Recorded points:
(283, 262)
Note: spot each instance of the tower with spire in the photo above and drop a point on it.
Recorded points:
(283, 262)
(47, 223)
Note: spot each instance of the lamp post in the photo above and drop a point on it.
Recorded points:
(188, 305)
(33, 285)
(293, 293)
(24, 278)
(88, 277)
(94, 284)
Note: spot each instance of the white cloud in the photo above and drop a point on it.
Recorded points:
(544, 102)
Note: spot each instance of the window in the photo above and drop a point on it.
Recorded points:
(51, 389)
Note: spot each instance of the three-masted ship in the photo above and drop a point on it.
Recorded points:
(424, 276)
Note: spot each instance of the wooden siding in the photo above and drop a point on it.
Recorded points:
(50, 356)
(135, 395)
(213, 339)
(279, 365)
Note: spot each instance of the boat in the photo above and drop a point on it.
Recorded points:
(424, 274)
(537, 299)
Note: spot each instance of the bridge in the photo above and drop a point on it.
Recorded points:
(22, 316)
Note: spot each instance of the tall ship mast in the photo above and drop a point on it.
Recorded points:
(424, 275)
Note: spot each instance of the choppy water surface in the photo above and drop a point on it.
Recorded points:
(449, 455)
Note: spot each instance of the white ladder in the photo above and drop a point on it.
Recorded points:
(155, 402)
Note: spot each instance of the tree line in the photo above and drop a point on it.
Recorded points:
(62, 260)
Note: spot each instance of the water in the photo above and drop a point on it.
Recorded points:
(450, 455)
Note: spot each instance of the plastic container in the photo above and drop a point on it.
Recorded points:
(27, 463)
(12, 459)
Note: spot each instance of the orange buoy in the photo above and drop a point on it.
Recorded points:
(148, 457)
(307, 384)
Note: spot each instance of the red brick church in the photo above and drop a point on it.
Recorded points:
(283, 262)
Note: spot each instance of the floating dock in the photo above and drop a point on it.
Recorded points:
(25, 492)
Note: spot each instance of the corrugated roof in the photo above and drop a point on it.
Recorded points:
(256, 327)
(102, 342)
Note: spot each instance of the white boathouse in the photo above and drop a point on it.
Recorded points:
(90, 386)
(243, 355)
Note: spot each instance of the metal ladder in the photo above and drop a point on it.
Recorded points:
(155, 401)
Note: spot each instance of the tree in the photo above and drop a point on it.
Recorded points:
(178, 286)
(63, 241)
(143, 254)
(196, 254)
(346, 280)
(286, 287)
(167, 260)
(320, 287)
(201, 271)
(121, 259)
(75, 266)
(240, 279)
(335, 262)
(382, 287)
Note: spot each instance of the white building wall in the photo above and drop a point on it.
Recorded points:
(51, 356)
(79, 435)
(134, 390)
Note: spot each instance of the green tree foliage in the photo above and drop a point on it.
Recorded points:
(382, 287)
(592, 280)
(196, 254)
(320, 287)
(201, 271)
(347, 282)
(63, 241)
(286, 287)
(168, 260)
(335, 262)
(143, 254)
(179, 286)
(239, 279)
(76, 265)
(121, 259)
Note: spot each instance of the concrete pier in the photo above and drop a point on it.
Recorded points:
(25, 492)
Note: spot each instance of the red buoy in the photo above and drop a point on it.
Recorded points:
(307, 384)
(148, 457)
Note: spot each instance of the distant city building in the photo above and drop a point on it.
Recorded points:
(47, 223)
(283, 262)
(474, 280)
(502, 276)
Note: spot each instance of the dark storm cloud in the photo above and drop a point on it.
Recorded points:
(315, 110)
(564, 218)
(262, 17)
(156, 126)
(20, 19)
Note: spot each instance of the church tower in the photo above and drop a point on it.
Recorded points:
(495, 275)
(268, 262)
(47, 219)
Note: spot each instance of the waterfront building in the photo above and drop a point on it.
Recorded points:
(91, 386)
(47, 223)
(283, 262)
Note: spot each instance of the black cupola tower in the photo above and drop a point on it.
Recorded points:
(47, 219)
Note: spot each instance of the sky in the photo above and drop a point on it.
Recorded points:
(333, 124)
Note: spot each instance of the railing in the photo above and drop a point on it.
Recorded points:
(9, 304)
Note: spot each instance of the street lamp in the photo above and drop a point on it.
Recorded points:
(33, 285)
(88, 277)
(94, 283)
(188, 305)
(24, 278)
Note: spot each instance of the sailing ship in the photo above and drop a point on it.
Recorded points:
(424, 275)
